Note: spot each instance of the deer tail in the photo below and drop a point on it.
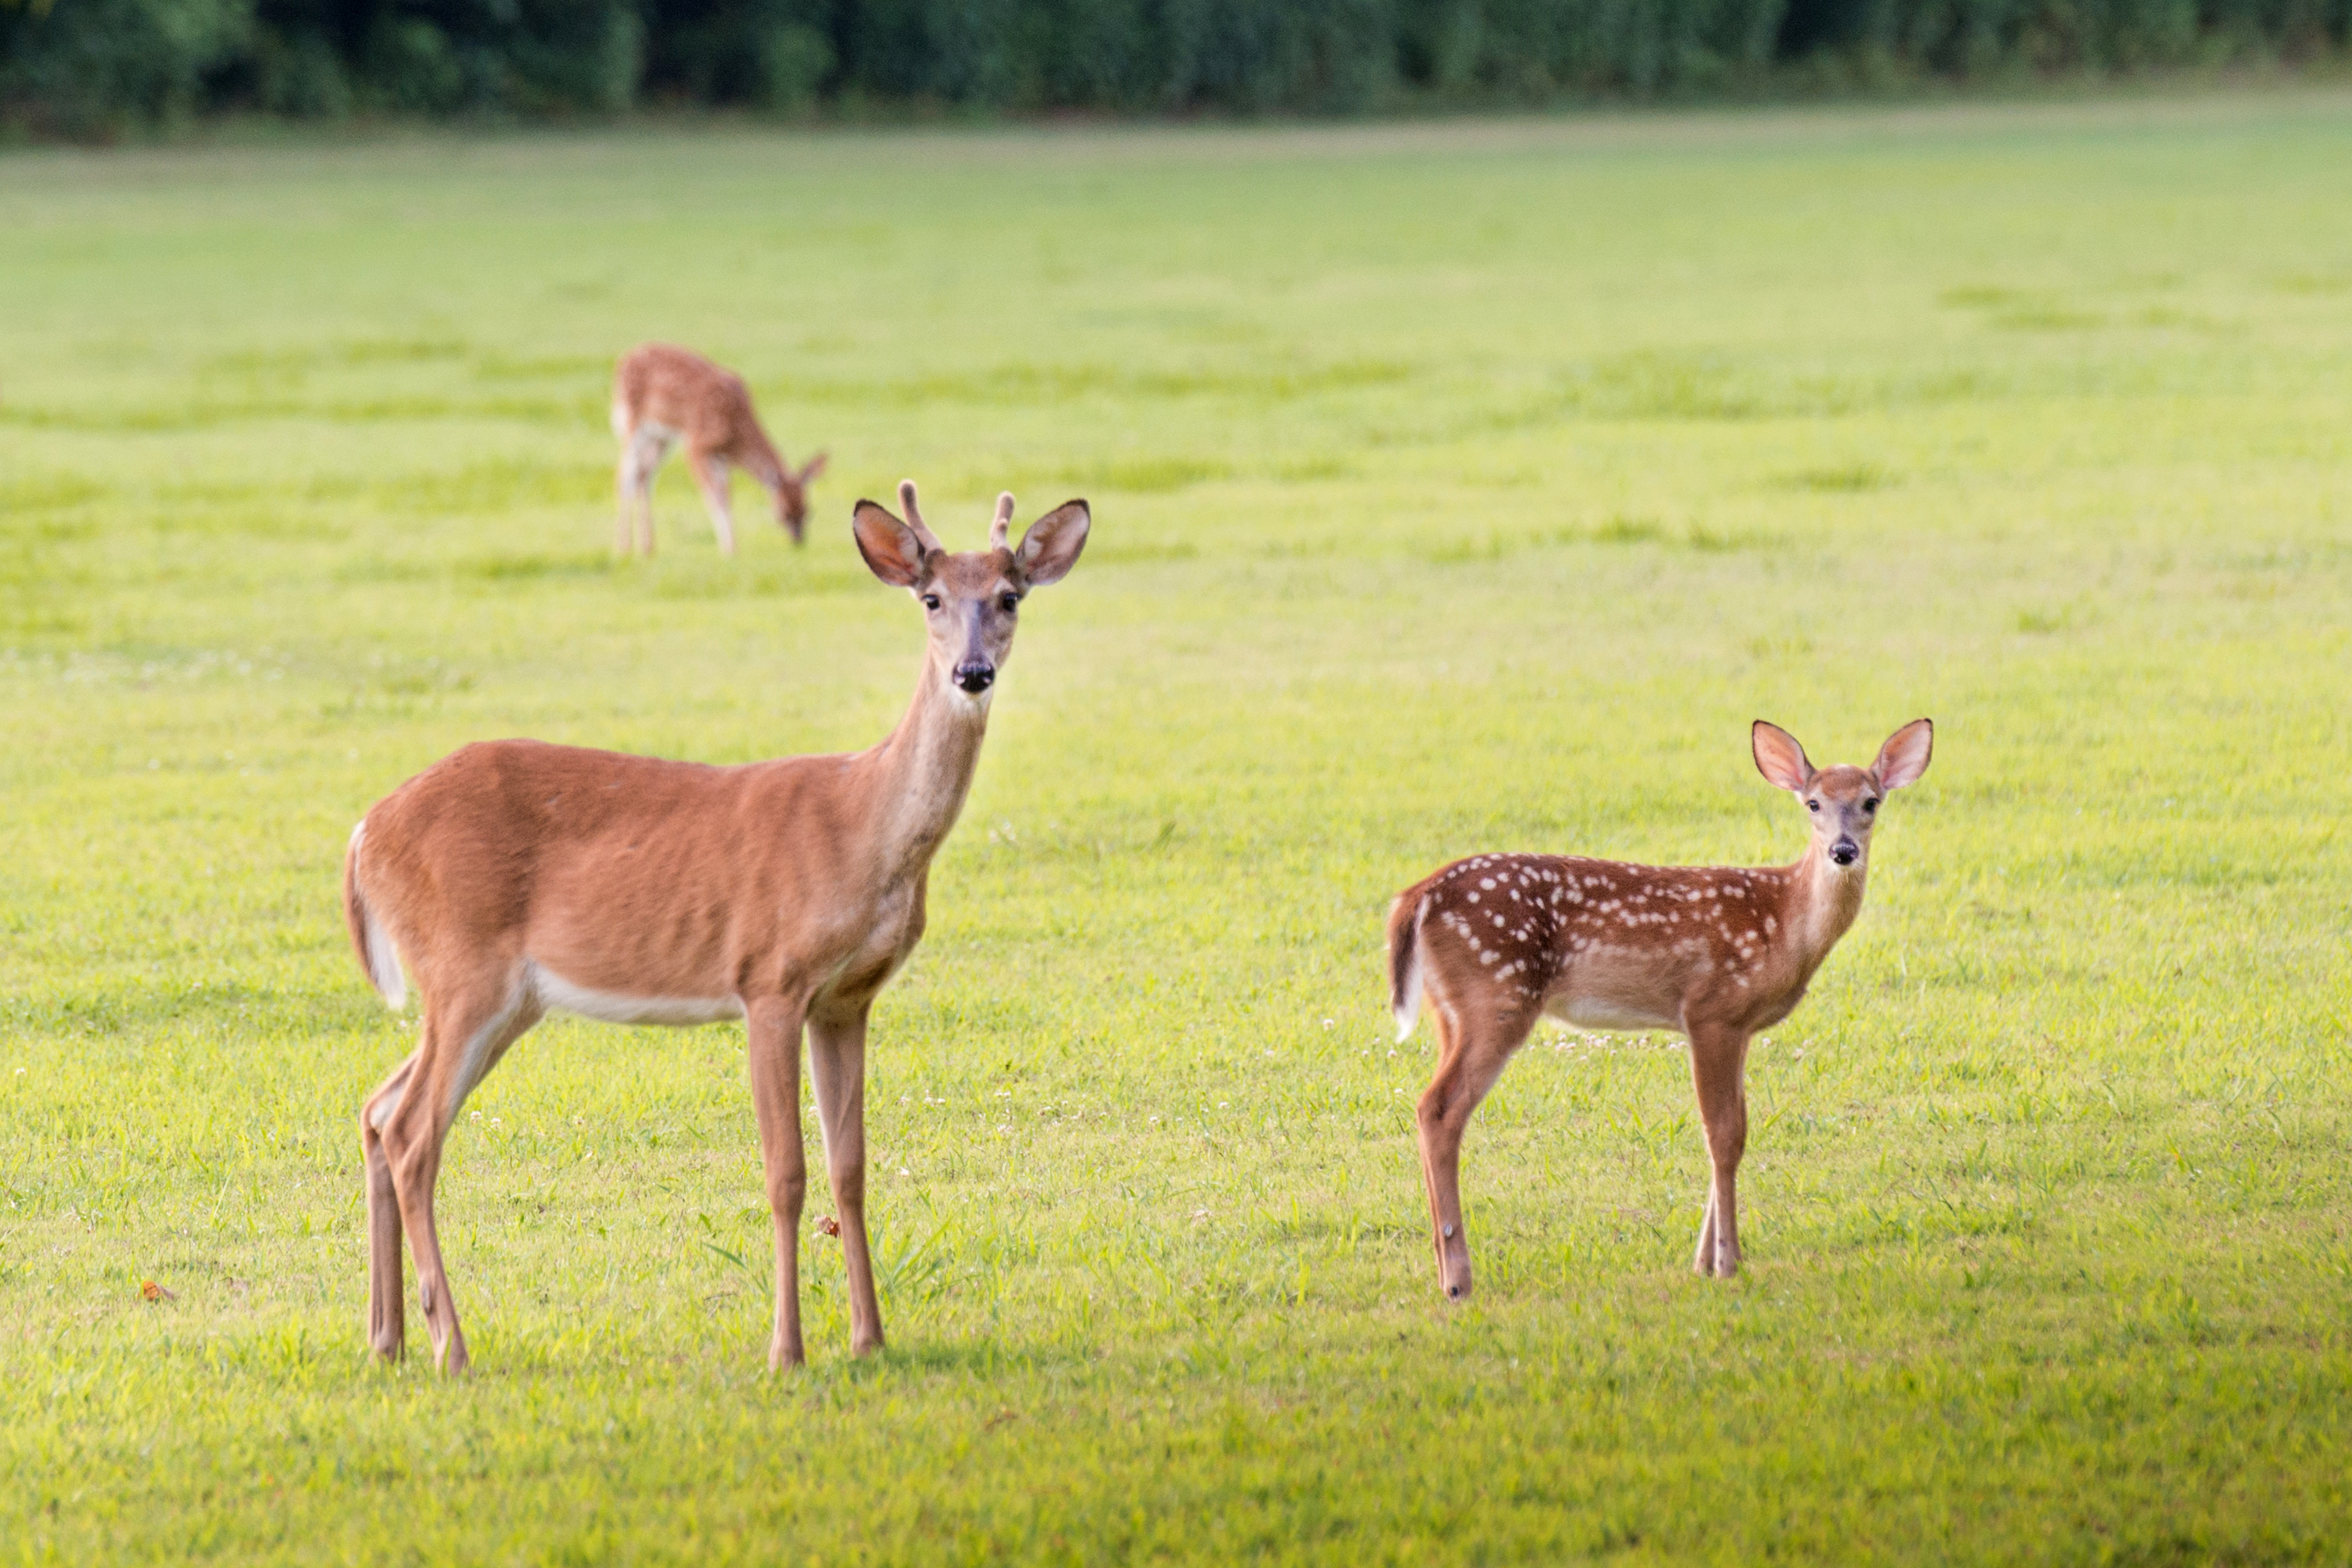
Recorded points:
(1405, 916)
(378, 957)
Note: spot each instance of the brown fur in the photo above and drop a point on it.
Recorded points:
(1713, 952)
(513, 876)
(660, 387)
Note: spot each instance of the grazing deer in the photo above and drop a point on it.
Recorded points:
(1713, 952)
(662, 393)
(513, 878)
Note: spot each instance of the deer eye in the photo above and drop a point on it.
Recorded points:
(1869, 806)
(1010, 603)
(1812, 806)
(931, 601)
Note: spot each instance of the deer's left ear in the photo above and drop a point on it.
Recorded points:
(813, 468)
(1051, 546)
(1904, 756)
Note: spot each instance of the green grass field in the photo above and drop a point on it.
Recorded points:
(1455, 486)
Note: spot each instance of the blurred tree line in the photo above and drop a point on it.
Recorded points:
(89, 66)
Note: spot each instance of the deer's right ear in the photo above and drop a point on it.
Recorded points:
(891, 550)
(1778, 757)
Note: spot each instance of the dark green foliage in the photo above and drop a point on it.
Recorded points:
(78, 67)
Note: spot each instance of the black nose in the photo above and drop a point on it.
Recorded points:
(975, 678)
(1845, 852)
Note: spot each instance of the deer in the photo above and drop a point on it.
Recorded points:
(662, 394)
(1714, 953)
(516, 877)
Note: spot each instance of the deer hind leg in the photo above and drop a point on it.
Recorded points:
(1474, 1045)
(710, 473)
(385, 1325)
(464, 1035)
(838, 1066)
(772, 1030)
(1718, 1067)
(641, 459)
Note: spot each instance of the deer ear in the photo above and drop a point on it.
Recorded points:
(1778, 757)
(813, 468)
(891, 550)
(1051, 546)
(1904, 756)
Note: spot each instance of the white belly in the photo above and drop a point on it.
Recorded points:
(1601, 1012)
(561, 995)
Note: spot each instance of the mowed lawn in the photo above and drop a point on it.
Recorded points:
(1456, 487)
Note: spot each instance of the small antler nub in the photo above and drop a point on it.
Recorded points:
(923, 535)
(999, 530)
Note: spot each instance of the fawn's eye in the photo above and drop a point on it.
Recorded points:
(1869, 806)
(1009, 603)
(1812, 806)
(931, 601)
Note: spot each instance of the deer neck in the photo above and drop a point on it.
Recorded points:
(1823, 900)
(918, 777)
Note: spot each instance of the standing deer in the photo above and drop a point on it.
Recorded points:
(662, 393)
(1713, 952)
(514, 877)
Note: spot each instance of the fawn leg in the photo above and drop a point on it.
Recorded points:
(1718, 1067)
(1472, 1052)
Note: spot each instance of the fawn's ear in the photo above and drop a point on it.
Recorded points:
(891, 550)
(813, 468)
(1051, 546)
(1778, 757)
(1904, 756)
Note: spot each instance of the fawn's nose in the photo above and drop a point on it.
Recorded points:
(975, 676)
(1846, 851)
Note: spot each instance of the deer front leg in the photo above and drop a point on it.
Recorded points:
(386, 1305)
(773, 1031)
(1719, 1068)
(710, 473)
(838, 1065)
(1472, 1053)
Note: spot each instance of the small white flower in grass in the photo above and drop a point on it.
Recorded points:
(904, 1172)
(1327, 1023)
(475, 1114)
(495, 1123)
(1224, 1105)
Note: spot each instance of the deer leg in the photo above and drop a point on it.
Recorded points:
(710, 473)
(463, 1037)
(385, 1325)
(1718, 1067)
(651, 451)
(624, 480)
(1473, 1051)
(773, 1030)
(838, 1066)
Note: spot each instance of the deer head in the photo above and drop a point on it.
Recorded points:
(791, 495)
(1844, 801)
(971, 601)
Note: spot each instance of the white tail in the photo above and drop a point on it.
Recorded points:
(1714, 953)
(516, 877)
(662, 394)
(1405, 916)
(377, 955)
